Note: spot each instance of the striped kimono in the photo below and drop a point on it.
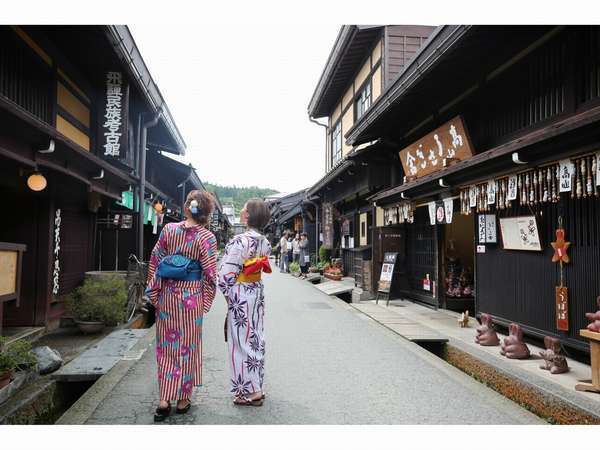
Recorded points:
(180, 306)
(245, 314)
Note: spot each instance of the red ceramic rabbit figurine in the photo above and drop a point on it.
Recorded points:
(594, 319)
(485, 332)
(554, 360)
(513, 346)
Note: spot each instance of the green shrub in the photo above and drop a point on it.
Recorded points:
(295, 267)
(16, 355)
(99, 300)
(323, 254)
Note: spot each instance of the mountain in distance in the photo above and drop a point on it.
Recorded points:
(238, 196)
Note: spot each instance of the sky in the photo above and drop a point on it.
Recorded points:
(239, 96)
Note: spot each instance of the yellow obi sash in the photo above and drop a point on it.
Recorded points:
(253, 268)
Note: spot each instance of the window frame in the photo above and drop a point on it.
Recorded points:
(336, 152)
(359, 102)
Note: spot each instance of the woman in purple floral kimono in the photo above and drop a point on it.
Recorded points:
(239, 278)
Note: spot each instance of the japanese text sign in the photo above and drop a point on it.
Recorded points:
(562, 309)
(113, 126)
(433, 151)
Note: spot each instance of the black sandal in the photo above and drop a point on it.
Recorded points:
(185, 409)
(162, 413)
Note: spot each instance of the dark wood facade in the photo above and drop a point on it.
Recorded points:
(539, 95)
(52, 84)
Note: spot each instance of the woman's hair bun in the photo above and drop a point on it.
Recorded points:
(201, 205)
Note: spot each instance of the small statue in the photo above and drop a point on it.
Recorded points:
(513, 346)
(464, 319)
(594, 318)
(485, 332)
(554, 360)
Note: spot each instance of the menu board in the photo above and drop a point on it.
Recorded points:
(8, 272)
(387, 272)
(520, 233)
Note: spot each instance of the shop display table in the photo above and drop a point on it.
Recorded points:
(595, 358)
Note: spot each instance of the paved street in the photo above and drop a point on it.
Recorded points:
(326, 364)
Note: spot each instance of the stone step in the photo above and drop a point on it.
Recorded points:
(404, 326)
(101, 357)
(31, 334)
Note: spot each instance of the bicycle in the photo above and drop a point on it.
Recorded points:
(136, 277)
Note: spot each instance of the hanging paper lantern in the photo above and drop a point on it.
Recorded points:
(37, 182)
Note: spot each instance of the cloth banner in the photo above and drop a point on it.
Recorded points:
(449, 209)
(431, 206)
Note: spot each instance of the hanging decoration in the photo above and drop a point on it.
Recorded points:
(431, 206)
(560, 247)
(403, 212)
(580, 177)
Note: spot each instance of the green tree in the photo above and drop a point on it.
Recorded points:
(238, 196)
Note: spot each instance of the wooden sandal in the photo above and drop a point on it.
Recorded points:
(161, 414)
(245, 401)
(185, 409)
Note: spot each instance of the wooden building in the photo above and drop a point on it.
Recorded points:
(363, 62)
(293, 213)
(219, 223)
(73, 100)
(515, 111)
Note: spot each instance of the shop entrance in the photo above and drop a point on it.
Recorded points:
(421, 258)
(457, 263)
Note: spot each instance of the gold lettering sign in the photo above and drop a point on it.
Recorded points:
(433, 152)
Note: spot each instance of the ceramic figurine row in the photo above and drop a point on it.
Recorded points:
(514, 347)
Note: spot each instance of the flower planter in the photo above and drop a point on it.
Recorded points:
(5, 378)
(89, 327)
(333, 277)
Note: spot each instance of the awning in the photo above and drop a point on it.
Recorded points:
(150, 216)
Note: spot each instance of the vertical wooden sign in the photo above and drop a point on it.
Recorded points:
(562, 308)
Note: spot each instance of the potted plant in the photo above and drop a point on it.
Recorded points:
(16, 355)
(98, 302)
(295, 269)
(323, 254)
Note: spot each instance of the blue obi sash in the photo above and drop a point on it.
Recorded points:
(179, 267)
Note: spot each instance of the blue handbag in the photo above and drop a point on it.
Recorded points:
(179, 267)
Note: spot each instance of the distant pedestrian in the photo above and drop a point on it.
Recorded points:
(283, 250)
(246, 257)
(290, 247)
(304, 254)
(296, 248)
(181, 299)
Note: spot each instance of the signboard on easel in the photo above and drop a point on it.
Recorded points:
(387, 272)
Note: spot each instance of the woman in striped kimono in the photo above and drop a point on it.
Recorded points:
(180, 305)
(245, 258)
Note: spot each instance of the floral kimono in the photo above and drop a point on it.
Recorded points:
(245, 314)
(180, 306)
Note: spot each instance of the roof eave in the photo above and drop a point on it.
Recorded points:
(125, 47)
(442, 38)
